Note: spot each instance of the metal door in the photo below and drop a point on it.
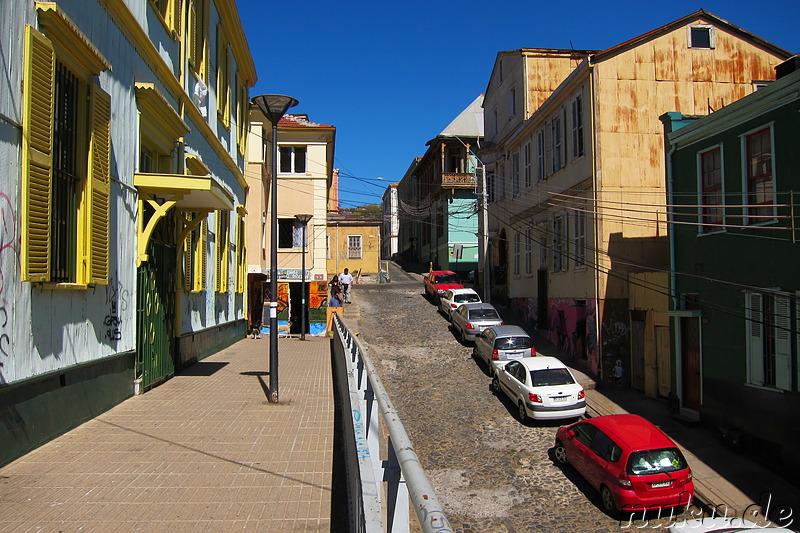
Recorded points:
(155, 315)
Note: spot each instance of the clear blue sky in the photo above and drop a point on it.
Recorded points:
(391, 75)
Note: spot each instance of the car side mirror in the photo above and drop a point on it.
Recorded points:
(571, 434)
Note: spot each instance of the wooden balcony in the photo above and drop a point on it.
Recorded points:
(458, 180)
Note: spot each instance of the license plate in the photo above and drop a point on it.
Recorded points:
(515, 355)
(660, 484)
(560, 398)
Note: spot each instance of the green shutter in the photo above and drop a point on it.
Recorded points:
(100, 176)
(202, 250)
(37, 157)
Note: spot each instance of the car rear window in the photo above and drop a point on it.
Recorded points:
(551, 376)
(466, 298)
(447, 278)
(656, 461)
(513, 343)
(483, 313)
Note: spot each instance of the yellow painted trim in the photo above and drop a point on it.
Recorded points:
(180, 184)
(145, 234)
(66, 35)
(65, 286)
(195, 166)
(241, 211)
(157, 110)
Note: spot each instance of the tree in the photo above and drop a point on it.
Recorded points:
(369, 211)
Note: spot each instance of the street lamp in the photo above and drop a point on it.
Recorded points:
(304, 221)
(274, 106)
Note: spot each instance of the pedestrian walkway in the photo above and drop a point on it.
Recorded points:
(724, 478)
(204, 451)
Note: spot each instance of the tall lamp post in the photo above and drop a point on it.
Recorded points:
(274, 106)
(304, 221)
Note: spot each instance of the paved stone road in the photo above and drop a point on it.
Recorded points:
(491, 472)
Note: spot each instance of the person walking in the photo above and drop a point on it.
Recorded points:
(346, 279)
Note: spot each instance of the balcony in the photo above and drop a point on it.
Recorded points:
(458, 180)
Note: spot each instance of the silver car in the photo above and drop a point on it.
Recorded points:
(470, 319)
(499, 344)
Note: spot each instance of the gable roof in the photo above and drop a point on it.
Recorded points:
(468, 123)
(299, 120)
(697, 15)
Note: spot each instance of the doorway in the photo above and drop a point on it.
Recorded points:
(296, 308)
(690, 362)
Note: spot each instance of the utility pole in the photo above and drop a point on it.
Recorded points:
(484, 233)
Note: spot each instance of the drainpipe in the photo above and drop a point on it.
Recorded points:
(595, 209)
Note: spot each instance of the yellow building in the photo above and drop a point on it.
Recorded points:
(353, 243)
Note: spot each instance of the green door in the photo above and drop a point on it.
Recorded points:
(155, 315)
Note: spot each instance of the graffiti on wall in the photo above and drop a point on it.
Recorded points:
(117, 298)
(9, 253)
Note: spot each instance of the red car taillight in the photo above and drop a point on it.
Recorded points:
(453, 305)
(533, 352)
(495, 355)
(581, 395)
(467, 325)
(624, 480)
(535, 398)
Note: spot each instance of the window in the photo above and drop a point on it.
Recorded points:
(169, 10)
(701, 36)
(760, 180)
(580, 237)
(196, 37)
(577, 126)
(526, 161)
(540, 151)
(517, 246)
(494, 121)
(769, 341)
(559, 244)
(604, 447)
(559, 151)
(515, 174)
(354, 247)
(528, 259)
(66, 156)
(452, 160)
(195, 259)
(490, 186)
(585, 433)
(501, 181)
(223, 246)
(290, 233)
(242, 110)
(711, 193)
(223, 78)
(292, 159)
(513, 102)
(543, 255)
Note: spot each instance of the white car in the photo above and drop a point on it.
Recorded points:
(451, 299)
(542, 387)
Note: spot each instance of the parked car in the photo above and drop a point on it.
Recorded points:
(451, 299)
(470, 319)
(438, 281)
(633, 464)
(542, 387)
(498, 344)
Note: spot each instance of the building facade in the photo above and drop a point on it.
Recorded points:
(305, 179)
(391, 223)
(576, 188)
(354, 243)
(734, 311)
(122, 197)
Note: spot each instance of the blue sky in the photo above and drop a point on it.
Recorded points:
(391, 75)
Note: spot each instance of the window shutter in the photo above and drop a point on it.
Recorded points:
(240, 256)
(203, 256)
(755, 338)
(100, 174)
(37, 156)
(188, 253)
(176, 17)
(218, 245)
(783, 343)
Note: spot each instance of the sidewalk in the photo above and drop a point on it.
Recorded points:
(723, 478)
(204, 451)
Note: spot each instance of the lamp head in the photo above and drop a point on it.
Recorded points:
(274, 106)
(303, 218)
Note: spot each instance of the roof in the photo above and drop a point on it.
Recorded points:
(299, 120)
(469, 123)
(697, 15)
(505, 330)
(540, 362)
(632, 430)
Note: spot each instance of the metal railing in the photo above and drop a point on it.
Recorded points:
(370, 501)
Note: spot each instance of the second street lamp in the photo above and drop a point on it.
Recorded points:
(274, 106)
(304, 308)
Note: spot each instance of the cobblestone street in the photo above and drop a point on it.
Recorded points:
(491, 472)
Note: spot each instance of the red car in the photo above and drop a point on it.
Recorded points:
(438, 281)
(631, 462)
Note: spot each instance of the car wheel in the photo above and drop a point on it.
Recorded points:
(607, 500)
(474, 351)
(560, 453)
(496, 383)
(523, 414)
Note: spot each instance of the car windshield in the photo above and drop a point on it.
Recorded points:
(656, 461)
(483, 313)
(513, 343)
(551, 376)
(466, 298)
(447, 278)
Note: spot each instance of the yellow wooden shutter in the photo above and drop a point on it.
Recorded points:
(218, 255)
(240, 255)
(201, 285)
(191, 35)
(37, 156)
(188, 254)
(100, 176)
